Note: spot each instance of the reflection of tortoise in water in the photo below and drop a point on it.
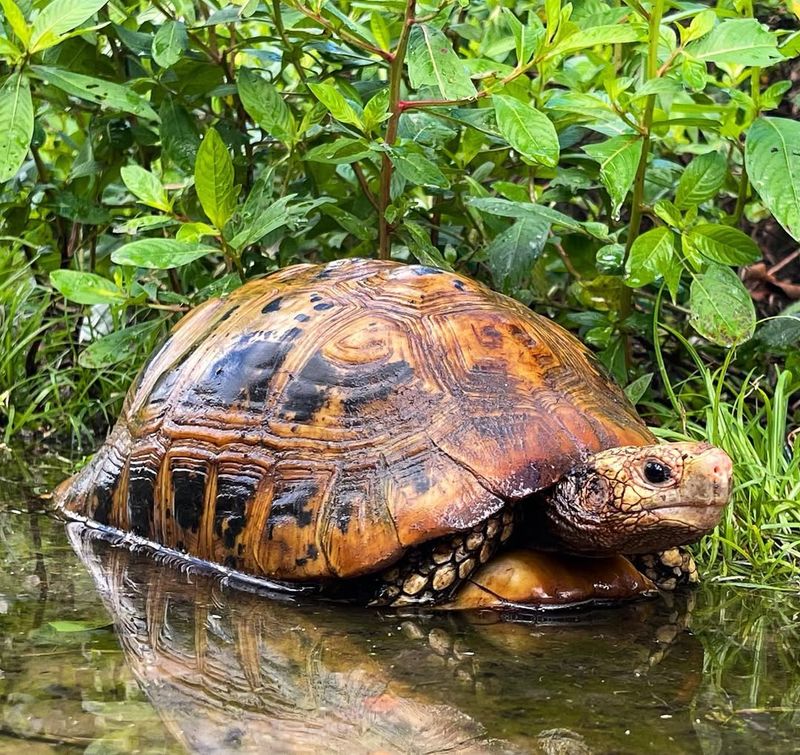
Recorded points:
(369, 418)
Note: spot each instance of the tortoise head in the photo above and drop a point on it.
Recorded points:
(636, 499)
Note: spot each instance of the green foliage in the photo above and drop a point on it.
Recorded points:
(580, 157)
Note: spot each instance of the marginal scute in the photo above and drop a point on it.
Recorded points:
(322, 421)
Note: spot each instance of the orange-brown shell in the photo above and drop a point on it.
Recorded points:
(321, 421)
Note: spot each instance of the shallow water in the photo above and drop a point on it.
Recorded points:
(102, 651)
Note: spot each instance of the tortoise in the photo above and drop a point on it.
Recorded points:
(379, 430)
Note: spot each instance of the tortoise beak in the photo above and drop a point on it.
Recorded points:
(704, 489)
(716, 467)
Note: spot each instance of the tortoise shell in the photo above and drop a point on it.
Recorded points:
(321, 421)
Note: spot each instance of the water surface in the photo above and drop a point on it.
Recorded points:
(103, 651)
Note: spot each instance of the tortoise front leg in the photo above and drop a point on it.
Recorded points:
(668, 569)
(432, 572)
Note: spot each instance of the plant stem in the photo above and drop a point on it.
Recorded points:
(645, 126)
(395, 79)
(362, 182)
(343, 34)
(291, 50)
(637, 204)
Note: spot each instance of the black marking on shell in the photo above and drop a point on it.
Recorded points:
(311, 555)
(319, 378)
(141, 491)
(302, 317)
(188, 486)
(233, 493)
(424, 270)
(244, 373)
(459, 285)
(272, 306)
(314, 297)
(290, 504)
(323, 305)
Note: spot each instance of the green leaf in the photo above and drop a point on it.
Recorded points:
(105, 93)
(16, 124)
(10, 51)
(526, 38)
(358, 227)
(619, 158)
(668, 212)
(66, 626)
(701, 24)
(419, 243)
(599, 35)
(191, 232)
(527, 130)
(380, 31)
(58, 18)
(336, 104)
(506, 209)
(160, 254)
(511, 254)
(432, 62)
(783, 330)
(169, 43)
(376, 110)
(412, 165)
(86, 288)
(179, 136)
(722, 310)
(115, 347)
(145, 187)
(650, 257)
(701, 180)
(636, 389)
(740, 41)
(260, 216)
(341, 150)
(724, 244)
(694, 74)
(13, 15)
(266, 107)
(772, 158)
(213, 179)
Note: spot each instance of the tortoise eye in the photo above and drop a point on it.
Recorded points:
(656, 472)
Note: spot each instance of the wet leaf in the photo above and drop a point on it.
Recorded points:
(740, 41)
(16, 124)
(169, 43)
(722, 310)
(58, 18)
(266, 107)
(619, 158)
(512, 253)
(145, 187)
(724, 244)
(105, 93)
(772, 157)
(115, 347)
(336, 104)
(86, 288)
(432, 62)
(213, 179)
(650, 257)
(419, 243)
(702, 179)
(527, 130)
(160, 254)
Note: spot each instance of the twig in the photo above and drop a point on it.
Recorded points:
(362, 182)
(395, 79)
